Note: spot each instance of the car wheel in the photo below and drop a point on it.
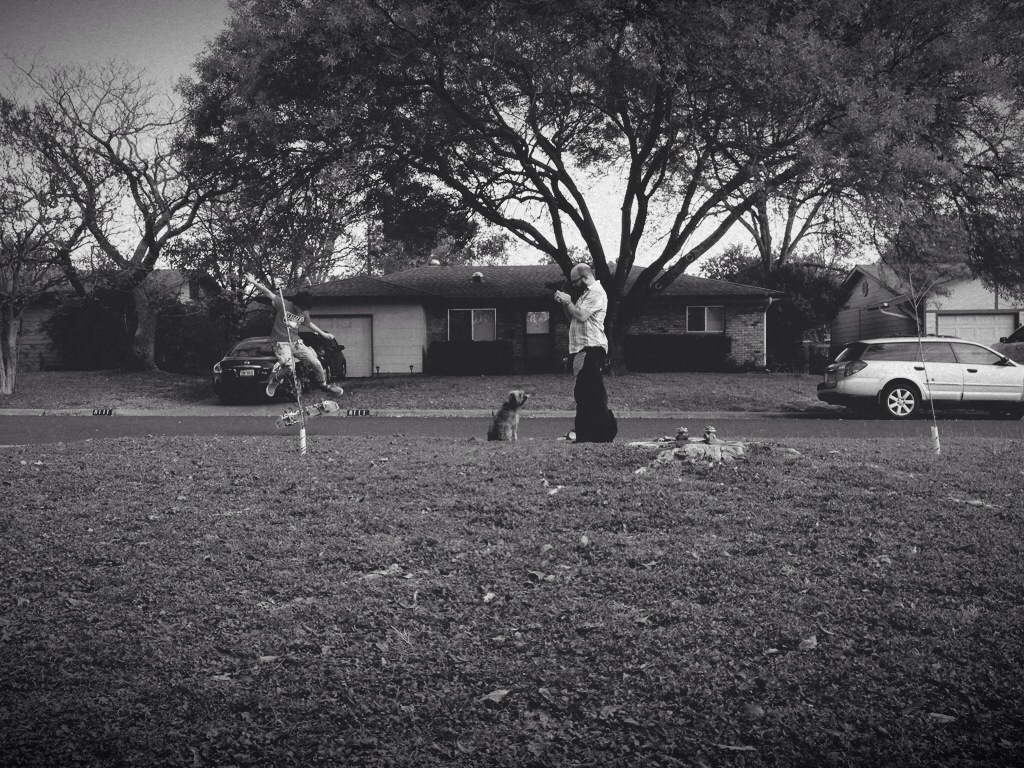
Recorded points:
(900, 401)
(342, 369)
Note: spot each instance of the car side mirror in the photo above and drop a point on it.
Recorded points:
(341, 346)
(1002, 339)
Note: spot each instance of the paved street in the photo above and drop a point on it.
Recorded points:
(18, 429)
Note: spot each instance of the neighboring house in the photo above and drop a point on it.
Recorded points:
(35, 349)
(407, 321)
(965, 308)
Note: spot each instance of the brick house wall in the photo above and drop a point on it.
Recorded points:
(510, 319)
(745, 324)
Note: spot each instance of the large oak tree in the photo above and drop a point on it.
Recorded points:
(692, 110)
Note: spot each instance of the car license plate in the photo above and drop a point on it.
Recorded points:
(246, 372)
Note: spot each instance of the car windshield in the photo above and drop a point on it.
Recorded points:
(252, 349)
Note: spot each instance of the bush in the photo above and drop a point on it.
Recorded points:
(190, 338)
(469, 358)
(89, 333)
(664, 353)
(94, 333)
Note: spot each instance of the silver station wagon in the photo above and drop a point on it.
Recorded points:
(899, 376)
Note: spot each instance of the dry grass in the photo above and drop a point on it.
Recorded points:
(198, 601)
(627, 392)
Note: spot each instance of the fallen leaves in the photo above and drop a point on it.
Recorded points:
(699, 616)
(496, 697)
(808, 643)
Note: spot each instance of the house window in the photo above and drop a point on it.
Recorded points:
(705, 319)
(472, 324)
(538, 323)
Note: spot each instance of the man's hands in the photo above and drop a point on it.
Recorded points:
(563, 298)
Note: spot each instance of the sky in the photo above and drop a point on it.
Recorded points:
(164, 37)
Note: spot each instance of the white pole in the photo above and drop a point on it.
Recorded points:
(295, 379)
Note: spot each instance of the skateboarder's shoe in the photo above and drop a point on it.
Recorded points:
(275, 380)
(327, 406)
(334, 389)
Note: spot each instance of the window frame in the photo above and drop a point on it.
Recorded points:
(472, 324)
(705, 307)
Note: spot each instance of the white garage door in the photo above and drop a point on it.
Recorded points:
(984, 329)
(356, 334)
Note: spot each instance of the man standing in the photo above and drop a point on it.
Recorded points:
(288, 318)
(588, 347)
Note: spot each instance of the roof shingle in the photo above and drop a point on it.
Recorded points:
(502, 282)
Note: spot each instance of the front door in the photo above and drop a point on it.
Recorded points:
(539, 345)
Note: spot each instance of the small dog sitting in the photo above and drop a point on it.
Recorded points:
(506, 422)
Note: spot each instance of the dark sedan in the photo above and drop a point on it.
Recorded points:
(242, 374)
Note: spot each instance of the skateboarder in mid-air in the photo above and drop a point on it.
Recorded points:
(288, 318)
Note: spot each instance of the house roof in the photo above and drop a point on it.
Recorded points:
(877, 272)
(503, 282)
(362, 287)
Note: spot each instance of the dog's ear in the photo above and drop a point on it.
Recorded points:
(523, 397)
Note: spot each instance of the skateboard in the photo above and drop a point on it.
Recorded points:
(288, 418)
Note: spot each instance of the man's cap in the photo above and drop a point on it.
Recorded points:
(579, 271)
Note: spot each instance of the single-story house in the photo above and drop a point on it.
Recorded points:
(878, 307)
(36, 351)
(441, 318)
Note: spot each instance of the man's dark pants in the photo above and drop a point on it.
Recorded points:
(591, 397)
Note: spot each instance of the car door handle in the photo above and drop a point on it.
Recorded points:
(918, 367)
(972, 370)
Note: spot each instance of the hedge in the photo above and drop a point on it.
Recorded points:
(469, 358)
(673, 353)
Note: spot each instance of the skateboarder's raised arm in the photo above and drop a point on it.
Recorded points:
(260, 287)
(313, 328)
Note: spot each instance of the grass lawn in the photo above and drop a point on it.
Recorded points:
(627, 392)
(419, 602)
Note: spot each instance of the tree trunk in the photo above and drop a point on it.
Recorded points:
(144, 340)
(616, 325)
(616, 351)
(10, 328)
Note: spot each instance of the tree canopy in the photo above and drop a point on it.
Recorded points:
(691, 111)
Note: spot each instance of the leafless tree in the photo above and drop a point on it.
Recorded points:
(106, 140)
